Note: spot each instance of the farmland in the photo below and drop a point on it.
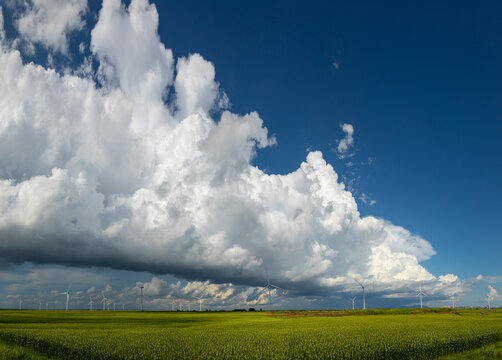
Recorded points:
(373, 334)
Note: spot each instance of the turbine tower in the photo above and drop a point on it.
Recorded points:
(353, 301)
(20, 302)
(67, 293)
(141, 297)
(200, 302)
(173, 304)
(90, 303)
(104, 302)
(452, 302)
(268, 288)
(421, 293)
(364, 294)
(489, 301)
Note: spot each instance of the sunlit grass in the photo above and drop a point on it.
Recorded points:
(15, 352)
(488, 352)
(387, 334)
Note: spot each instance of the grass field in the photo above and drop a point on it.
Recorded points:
(15, 352)
(374, 334)
(487, 352)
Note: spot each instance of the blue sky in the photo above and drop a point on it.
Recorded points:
(420, 84)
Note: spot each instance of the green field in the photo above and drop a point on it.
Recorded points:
(373, 334)
(488, 352)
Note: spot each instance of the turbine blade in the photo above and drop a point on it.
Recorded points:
(262, 290)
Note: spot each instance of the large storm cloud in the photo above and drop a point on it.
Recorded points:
(128, 167)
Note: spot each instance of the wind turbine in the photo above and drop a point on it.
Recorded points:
(421, 293)
(181, 306)
(90, 303)
(123, 307)
(20, 303)
(39, 304)
(104, 302)
(353, 301)
(489, 301)
(268, 288)
(200, 302)
(141, 297)
(172, 305)
(67, 293)
(452, 302)
(364, 295)
(189, 306)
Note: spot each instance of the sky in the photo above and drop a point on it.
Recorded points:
(197, 148)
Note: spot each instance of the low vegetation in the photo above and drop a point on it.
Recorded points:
(487, 352)
(389, 334)
(15, 352)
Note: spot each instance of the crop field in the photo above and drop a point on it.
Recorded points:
(488, 352)
(371, 334)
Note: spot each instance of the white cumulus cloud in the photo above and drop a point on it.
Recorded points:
(50, 22)
(110, 175)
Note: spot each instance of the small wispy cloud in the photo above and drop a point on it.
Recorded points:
(370, 161)
(490, 279)
(346, 144)
(365, 199)
(336, 64)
